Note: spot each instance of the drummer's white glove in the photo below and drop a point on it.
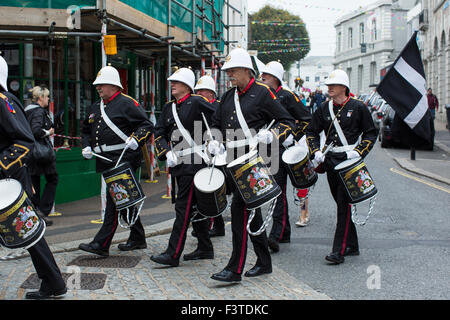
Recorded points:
(215, 147)
(352, 154)
(264, 136)
(131, 143)
(289, 140)
(87, 153)
(319, 157)
(171, 159)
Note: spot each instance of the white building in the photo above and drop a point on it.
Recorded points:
(313, 71)
(369, 39)
(434, 23)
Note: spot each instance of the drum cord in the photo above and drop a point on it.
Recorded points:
(369, 213)
(129, 223)
(266, 220)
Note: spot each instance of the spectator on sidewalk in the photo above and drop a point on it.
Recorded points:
(42, 127)
(433, 103)
(303, 221)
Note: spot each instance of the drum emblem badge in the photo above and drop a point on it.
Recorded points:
(25, 222)
(119, 192)
(364, 181)
(259, 180)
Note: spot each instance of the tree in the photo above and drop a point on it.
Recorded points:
(278, 35)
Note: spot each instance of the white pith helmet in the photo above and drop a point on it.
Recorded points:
(184, 75)
(338, 76)
(206, 82)
(238, 58)
(3, 74)
(275, 69)
(108, 75)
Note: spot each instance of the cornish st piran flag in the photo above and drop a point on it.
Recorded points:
(404, 89)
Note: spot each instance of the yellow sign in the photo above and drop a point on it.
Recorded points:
(110, 44)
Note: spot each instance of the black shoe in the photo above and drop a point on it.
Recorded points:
(94, 247)
(40, 295)
(349, 251)
(273, 245)
(216, 233)
(335, 257)
(227, 276)
(132, 245)
(199, 254)
(165, 259)
(257, 271)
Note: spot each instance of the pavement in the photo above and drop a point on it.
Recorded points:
(133, 276)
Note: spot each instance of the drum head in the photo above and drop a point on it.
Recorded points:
(202, 180)
(294, 155)
(347, 163)
(10, 190)
(242, 159)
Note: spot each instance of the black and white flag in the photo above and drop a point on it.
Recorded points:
(404, 89)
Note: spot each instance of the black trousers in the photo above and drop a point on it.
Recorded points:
(45, 203)
(345, 235)
(184, 212)
(281, 227)
(239, 219)
(110, 222)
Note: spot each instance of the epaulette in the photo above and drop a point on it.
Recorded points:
(295, 96)
(8, 105)
(198, 95)
(135, 102)
(268, 89)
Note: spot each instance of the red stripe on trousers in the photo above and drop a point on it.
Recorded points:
(284, 214)
(186, 218)
(244, 243)
(116, 218)
(344, 243)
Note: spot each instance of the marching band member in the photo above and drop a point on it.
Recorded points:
(259, 107)
(16, 144)
(109, 127)
(206, 87)
(354, 120)
(183, 114)
(272, 75)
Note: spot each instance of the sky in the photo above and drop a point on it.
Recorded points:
(319, 17)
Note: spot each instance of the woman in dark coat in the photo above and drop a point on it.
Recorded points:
(42, 128)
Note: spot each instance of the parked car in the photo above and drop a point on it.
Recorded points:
(378, 114)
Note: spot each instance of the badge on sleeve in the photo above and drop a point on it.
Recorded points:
(8, 105)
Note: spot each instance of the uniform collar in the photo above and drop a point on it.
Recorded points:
(212, 101)
(183, 99)
(252, 80)
(111, 99)
(279, 88)
(343, 104)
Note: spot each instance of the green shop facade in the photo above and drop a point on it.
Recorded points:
(68, 65)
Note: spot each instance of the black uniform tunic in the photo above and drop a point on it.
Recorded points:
(189, 110)
(131, 119)
(281, 227)
(16, 144)
(259, 107)
(355, 120)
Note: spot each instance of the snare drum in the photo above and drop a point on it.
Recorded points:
(356, 179)
(124, 189)
(253, 180)
(299, 167)
(20, 226)
(210, 192)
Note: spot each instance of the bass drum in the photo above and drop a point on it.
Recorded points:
(210, 192)
(20, 225)
(356, 179)
(253, 180)
(299, 167)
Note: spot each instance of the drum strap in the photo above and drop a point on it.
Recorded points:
(186, 136)
(115, 129)
(249, 139)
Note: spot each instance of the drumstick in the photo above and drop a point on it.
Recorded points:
(120, 158)
(212, 170)
(101, 157)
(207, 127)
(331, 145)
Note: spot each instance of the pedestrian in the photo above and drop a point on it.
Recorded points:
(113, 123)
(353, 120)
(206, 87)
(302, 195)
(42, 127)
(16, 144)
(319, 98)
(433, 103)
(258, 106)
(312, 104)
(181, 116)
(272, 75)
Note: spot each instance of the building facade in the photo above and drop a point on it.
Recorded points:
(313, 70)
(369, 39)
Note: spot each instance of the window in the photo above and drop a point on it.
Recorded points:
(350, 37)
(307, 79)
(373, 73)
(362, 38)
(339, 39)
(374, 30)
(317, 79)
